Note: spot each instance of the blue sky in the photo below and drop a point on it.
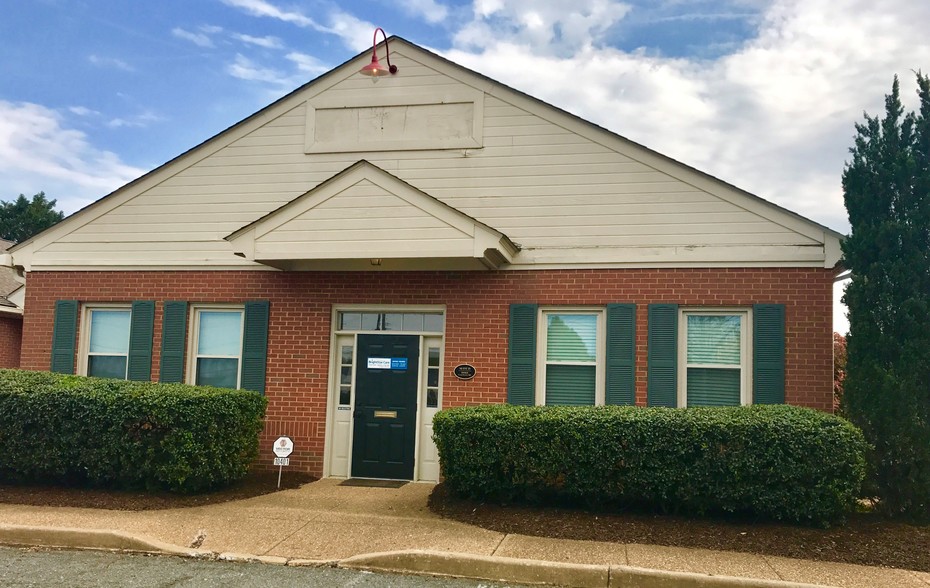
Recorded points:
(763, 94)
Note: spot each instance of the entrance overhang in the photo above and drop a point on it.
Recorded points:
(365, 219)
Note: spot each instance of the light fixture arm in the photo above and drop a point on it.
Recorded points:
(387, 51)
(375, 69)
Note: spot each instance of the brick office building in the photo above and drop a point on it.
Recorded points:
(347, 248)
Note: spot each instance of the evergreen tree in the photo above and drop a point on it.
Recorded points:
(887, 385)
(23, 218)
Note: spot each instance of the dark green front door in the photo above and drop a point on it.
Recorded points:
(385, 406)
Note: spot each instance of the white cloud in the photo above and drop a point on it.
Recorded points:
(551, 26)
(430, 10)
(141, 120)
(199, 39)
(269, 10)
(305, 68)
(307, 64)
(38, 153)
(775, 117)
(354, 32)
(246, 69)
(267, 42)
(83, 111)
(109, 62)
(211, 29)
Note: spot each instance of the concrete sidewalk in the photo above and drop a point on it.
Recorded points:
(326, 522)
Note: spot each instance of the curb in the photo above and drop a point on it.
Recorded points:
(92, 539)
(526, 571)
(482, 567)
(414, 561)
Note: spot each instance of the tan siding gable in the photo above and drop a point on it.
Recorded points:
(567, 197)
(387, 222)
(365, 213)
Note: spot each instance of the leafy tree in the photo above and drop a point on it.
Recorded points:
(887, 385)
(22, 218)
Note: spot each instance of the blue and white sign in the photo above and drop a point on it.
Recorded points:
(379, 363)
(387, 363)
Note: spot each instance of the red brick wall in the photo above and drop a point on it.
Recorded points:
(477, 306)
(11, 335)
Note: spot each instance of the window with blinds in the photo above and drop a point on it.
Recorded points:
(218, 347)
(571, 357)
(715, 358)
(108, 343)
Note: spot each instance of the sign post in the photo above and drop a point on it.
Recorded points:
(283, 447)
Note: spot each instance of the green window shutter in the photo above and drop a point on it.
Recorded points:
(255, 345)
(521, 372)
(173, 332)
(140, 340)
(63, 334)
(768, 353)
(621, 354)
(662, 358)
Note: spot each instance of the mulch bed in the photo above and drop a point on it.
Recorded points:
(254, 484)
(866, 539)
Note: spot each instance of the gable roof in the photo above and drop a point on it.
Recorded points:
(827, 239)
(326, 228)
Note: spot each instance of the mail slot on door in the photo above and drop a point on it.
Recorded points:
(385, 414)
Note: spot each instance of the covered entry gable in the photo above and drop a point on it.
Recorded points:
(364, 218)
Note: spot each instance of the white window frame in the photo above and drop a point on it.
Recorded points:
(194, 338)
(86, 318)
(600, 372)
(745, 315)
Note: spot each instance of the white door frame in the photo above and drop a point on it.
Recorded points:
(338, 338)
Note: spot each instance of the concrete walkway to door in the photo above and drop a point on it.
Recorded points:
(325, 521)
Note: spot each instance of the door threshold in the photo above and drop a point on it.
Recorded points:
(374, 483)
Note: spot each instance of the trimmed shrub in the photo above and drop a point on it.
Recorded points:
(777, 462)
(121, 434)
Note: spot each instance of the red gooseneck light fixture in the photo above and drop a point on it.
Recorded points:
(375, 69)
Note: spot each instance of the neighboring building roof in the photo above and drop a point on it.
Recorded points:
(9, 283)
(571, 193)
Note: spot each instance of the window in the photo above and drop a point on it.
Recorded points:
(345, 374)
(570, 358)
(432, 376)
(217, 347)
(107, 342)
(419, 322)
(715, 358)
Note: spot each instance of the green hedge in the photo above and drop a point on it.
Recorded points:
(777, 462)
(120, 434)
